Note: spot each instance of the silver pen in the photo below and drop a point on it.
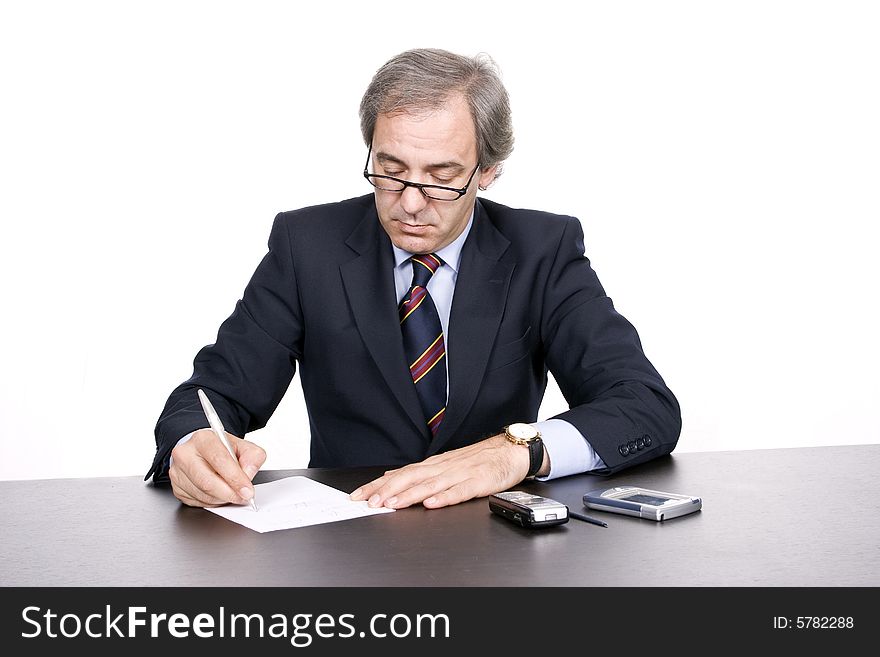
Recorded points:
(217, 426)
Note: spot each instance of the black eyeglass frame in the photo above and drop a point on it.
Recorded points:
(420, 186)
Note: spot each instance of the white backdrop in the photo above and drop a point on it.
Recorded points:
(722, 157)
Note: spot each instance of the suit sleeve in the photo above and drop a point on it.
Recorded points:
(246, 372)
(617, 399)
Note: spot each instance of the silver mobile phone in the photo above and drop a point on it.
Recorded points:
(642, 502)
(528, 510)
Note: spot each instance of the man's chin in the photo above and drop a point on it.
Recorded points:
(423, 241)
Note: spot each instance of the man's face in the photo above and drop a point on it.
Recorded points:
(436, 148)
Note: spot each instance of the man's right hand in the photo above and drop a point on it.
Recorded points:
(203, 473)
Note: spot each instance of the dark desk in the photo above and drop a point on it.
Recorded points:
(782, 517)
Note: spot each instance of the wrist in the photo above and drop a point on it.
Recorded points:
(528, 441)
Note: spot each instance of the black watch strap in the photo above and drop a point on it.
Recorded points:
(536, 457)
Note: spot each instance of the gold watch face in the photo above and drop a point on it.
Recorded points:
(522, 433)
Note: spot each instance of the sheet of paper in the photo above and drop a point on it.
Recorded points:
(295, 502)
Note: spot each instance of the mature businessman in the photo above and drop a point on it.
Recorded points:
(424, 321)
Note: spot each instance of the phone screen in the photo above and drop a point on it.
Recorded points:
(641, 498)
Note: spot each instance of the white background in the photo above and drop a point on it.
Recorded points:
(724, 159)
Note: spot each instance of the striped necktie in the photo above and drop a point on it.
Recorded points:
(423, 341)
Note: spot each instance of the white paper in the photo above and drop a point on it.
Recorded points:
(295, 502)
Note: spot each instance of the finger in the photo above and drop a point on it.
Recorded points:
(393, 483)
(226, 471)
(389, 484)
(421, 490)
(189, 493)
(208, 484)
(180, 488)
(368, 489)
(460, 492)
(192, 492)
(191, 501)
(181, 484)
(411, 485)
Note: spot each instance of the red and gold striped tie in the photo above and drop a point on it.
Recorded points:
(423, 341)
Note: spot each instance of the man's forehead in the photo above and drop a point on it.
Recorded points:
(390, 157)
(440, 138)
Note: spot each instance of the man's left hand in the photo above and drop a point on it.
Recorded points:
(486, 467)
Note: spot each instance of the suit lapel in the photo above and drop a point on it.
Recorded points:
(369, 286)
(477, 307)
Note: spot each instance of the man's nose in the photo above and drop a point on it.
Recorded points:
(412, 200)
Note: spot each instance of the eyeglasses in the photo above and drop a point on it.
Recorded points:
(436, 192)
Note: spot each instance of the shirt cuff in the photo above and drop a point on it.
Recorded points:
(569, 450)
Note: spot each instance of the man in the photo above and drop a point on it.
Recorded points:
(424, 322)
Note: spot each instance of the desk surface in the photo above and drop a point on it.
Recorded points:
(782, 517)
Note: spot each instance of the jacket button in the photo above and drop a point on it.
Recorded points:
(632, 446)
(640, 443)
(624, 450)
(647, 440)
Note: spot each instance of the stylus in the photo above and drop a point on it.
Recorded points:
(217, 426)
(590, 519)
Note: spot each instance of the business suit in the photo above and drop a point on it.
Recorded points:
(526, 299)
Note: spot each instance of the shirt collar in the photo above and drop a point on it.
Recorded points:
(449, 254)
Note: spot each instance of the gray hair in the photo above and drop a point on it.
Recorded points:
(425, 78)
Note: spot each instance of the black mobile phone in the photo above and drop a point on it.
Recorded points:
(528, 510)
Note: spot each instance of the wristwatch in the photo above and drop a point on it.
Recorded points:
(521, 433)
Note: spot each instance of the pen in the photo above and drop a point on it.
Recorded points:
(590, 519)
(217, 426)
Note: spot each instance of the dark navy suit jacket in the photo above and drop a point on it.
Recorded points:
(526, 300)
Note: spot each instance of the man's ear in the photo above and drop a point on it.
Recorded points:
(487, 177)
